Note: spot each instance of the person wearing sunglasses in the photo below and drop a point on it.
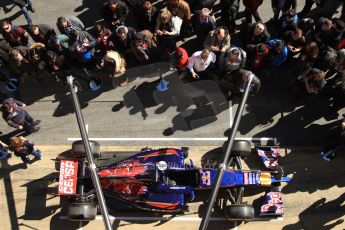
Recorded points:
(14, 35)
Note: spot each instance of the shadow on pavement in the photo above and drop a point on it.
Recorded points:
(320, 214)
(197, 104)
(36, 197)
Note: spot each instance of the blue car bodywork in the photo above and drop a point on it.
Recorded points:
(160, 180)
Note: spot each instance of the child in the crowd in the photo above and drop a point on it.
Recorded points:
(23, 148)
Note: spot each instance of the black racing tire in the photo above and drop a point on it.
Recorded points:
(78, 149)
(82, 211)
(241, 148)
(239, 212)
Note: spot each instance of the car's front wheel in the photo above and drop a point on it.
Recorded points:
(239, 212)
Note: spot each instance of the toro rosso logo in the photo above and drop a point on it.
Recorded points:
(68, 177)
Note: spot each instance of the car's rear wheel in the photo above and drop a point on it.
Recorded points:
(239, 212)
(82, 211)
(78, 149)
(241, 148)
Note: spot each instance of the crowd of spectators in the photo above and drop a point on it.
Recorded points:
(309, 44)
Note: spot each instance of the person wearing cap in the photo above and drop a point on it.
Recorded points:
(251, 10)
(67, 25)
(203, 23)
(41, 33)
(254, 34)
(17, 117)
(201, 63)
(114, 13)
(234, 58)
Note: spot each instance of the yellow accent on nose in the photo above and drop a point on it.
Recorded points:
(265, 178)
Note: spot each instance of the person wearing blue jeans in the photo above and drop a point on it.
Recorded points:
(25, 6)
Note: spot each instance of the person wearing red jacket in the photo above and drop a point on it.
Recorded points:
(181, 59)
(251, 9)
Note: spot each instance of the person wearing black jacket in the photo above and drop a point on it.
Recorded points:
(17, 117)
(251, 9)
(19, 62)
(122, 39)
(229, 13)
(41, 33)
(197, 5)
(282, 5)
(203, 23)
(4, 51)
(254, 34)
(114, 13)
(146, 15)
(237, 81)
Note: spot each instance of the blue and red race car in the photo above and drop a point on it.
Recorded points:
(160, 180)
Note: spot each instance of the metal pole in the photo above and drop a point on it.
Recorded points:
(225, 158)
(91, 165)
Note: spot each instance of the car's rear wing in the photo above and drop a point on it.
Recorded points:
(68, 178)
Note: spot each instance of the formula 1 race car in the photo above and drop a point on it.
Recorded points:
(160, 180)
